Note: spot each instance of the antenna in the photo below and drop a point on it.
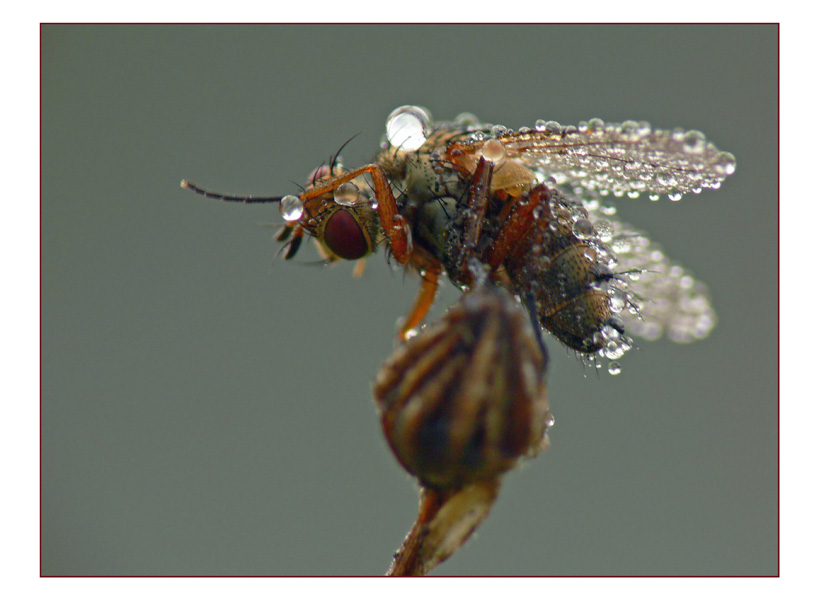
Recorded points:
(244, 199)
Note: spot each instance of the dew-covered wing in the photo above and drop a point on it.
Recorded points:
(659, 297)
(622, 158)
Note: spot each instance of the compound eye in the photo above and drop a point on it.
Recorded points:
(344, 236)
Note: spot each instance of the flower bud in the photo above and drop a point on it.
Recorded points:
(464, 399)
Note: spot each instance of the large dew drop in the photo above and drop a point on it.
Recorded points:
(583, 229)
(494, 151)
(346, 194)
(407, 127)
(291, 208)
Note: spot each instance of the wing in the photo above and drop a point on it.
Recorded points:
(653, 296)
(620, 158)
(662, 297)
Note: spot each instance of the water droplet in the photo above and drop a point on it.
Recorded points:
(583, 229)
(675, 196)
(666, 179)
(725, 163)
(407, 127)
(694, 142)
(291, 208)
(617, 301)
(615, 368)
(552, 127)
(631, 131)
(612, 350)
(494, 151)
(467, 119)
(621, 245)
(346, 194)
(605, 230)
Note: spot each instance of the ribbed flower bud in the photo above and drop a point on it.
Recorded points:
(466, 398)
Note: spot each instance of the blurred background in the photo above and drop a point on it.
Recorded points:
(206, 410)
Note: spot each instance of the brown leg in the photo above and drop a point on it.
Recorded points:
(517, 224)
(476, 211)
(423, 302)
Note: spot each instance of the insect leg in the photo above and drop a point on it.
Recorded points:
(530, 302)
(517, 223)
(476, 210)
(423, 302)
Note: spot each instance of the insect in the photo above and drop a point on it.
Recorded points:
(529, 206)
(519, 221)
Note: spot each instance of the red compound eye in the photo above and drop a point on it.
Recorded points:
(344, 235)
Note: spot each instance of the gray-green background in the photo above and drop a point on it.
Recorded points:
(206, 411)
